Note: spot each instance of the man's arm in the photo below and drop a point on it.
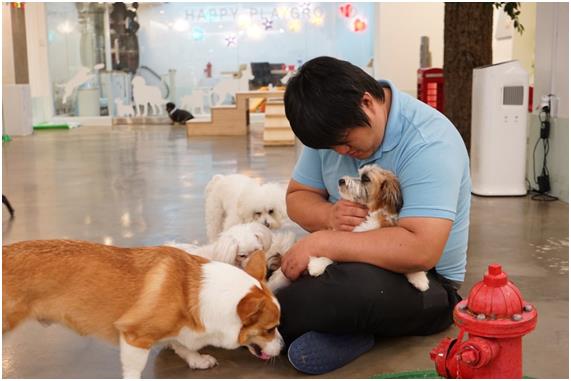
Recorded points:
(310, 209)
(415, 244)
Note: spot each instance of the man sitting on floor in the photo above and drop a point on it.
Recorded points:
(346, 119)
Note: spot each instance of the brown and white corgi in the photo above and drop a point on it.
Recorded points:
(138, 297)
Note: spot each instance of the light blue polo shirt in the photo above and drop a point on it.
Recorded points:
(429, 157)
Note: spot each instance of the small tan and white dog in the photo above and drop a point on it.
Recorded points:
(138, 297)
(379, 190)
(238, 199)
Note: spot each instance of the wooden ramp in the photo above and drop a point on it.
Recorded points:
(277, 131)
(229, 120)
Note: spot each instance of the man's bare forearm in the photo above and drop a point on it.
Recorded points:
(412, 247)
(394, 249)
(309, 210)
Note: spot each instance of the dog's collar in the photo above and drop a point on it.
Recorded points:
(173, 110)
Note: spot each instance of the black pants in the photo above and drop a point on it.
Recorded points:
(361, 298)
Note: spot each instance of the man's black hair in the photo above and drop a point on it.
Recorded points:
(323, 101)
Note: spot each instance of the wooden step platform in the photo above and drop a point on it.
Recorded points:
(229, 120)
(277, 130)
(224, 121)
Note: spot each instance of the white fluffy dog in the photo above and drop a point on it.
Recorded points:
(281, 242)
(238, 199)
(233, 246)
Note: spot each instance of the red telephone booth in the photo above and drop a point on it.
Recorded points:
(430, 87)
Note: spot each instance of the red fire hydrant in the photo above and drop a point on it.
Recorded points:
(496, 317)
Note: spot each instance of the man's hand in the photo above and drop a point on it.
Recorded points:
(296, 259)
(347, 215)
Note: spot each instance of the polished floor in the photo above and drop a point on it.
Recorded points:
(143, 185)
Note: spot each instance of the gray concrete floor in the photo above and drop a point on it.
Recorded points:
(143, 185)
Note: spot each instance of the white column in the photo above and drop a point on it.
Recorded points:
(38, 65)
(8, 74)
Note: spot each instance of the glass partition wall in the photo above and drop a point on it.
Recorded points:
(193, 54)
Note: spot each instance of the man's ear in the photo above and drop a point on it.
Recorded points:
(367, 101)
(256, 265)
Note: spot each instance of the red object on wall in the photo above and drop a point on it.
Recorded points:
(495, 317)
(208, 70)
(430, 87)
(530, 99)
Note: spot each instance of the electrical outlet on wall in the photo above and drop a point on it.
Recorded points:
(551, 101)
(544, 101)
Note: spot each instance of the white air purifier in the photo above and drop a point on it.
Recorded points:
(499, 129)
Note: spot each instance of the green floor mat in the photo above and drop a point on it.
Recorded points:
(411, 374)
(417, 374)
(45, 126)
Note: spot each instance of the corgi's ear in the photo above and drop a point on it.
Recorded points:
(249, 310)
(256, 265)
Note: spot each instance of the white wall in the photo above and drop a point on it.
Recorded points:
(502, 48)
(552, 77)
(524, 44)
(397, 48)
(552, 54)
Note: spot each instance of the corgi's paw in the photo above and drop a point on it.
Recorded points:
(198, 361)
